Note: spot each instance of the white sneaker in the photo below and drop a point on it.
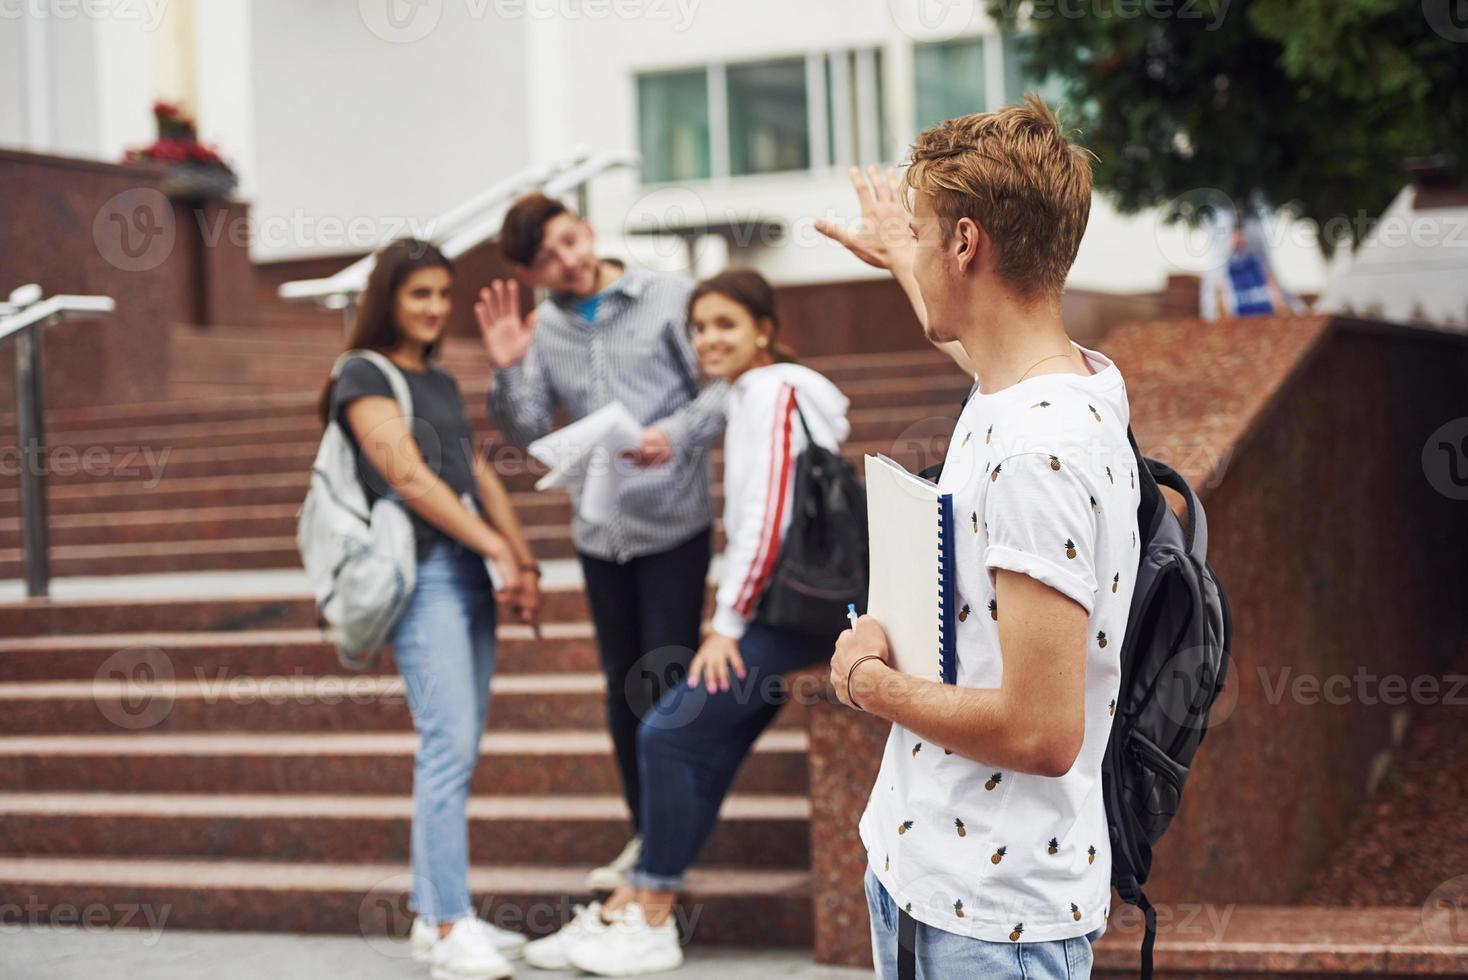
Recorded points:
(630, 947)
(554, 951)
(468, 953)
(424, 934)
(609, 877)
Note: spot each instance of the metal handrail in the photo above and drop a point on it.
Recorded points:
(24, 317)
(480, 217)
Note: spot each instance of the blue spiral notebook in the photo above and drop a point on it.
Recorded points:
(912, 592)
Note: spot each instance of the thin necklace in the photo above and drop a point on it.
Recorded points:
(1039, 362)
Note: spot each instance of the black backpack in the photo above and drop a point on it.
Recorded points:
(822, 564)
(1173, 661)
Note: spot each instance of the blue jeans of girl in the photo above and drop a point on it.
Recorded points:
(444, 646)
(692, 743)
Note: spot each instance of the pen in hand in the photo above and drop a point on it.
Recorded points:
(851, 614)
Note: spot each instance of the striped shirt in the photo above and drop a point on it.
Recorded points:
(636, 352)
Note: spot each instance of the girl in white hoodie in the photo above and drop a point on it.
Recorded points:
(693, 742)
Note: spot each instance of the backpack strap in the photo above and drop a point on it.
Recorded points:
(1149, 934)
(907, 946)
(395, 379)
(1159, 474)
(810, 440)
(1197, 533)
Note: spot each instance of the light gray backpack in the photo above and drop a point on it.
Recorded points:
(361, 562)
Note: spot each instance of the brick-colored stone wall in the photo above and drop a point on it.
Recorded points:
(76, 226)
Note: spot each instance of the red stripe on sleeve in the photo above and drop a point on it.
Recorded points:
(776, 495)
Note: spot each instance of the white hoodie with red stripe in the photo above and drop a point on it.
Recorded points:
(762, 439)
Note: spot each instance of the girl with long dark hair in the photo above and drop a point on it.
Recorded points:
(444, 644)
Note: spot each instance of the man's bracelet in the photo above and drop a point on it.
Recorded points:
(852, 671)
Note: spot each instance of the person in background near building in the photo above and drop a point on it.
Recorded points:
(985, 823)
(1243, 284)
(691, 745)
(444, 644)
(609, 334)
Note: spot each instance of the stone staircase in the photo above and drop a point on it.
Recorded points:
(197, 748)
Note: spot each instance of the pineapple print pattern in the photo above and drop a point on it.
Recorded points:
(960, 829)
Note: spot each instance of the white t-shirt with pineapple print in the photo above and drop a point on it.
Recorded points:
(1044, 483)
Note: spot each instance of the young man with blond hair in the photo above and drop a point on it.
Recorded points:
(985, 831)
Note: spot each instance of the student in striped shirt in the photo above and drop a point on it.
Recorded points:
(693, 742)
(608, 334)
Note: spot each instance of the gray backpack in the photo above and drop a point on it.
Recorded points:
(361, 562)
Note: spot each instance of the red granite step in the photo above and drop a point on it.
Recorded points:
(768, 831)
(733, 904)
(304, 430)
(562, 647)
(299, 398)
(213, 548)
(142, 614)
(107, 500)
(537, 763)
(297, 703)
(1240, 942)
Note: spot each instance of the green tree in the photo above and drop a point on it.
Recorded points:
(1309, 104)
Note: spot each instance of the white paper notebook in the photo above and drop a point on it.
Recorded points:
(910, 525)
(585, 453)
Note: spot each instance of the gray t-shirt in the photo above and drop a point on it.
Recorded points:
(439, 425)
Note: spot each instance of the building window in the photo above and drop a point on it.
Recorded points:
(949, 80)
(768, 128)
(856, 118)
(673, 125)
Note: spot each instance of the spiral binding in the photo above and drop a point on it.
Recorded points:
(947, 655)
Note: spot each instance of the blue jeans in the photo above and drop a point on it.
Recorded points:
(444, 647)
(949, 956)
(692, 742)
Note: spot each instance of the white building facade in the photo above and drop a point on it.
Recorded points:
(352, 121)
